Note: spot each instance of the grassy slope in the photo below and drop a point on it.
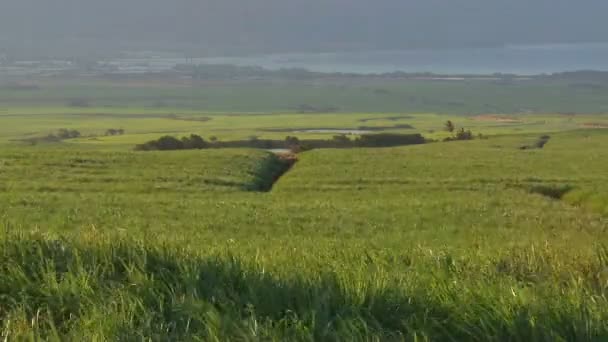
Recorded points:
(440, 241)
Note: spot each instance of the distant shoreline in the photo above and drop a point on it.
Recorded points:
(516, 60)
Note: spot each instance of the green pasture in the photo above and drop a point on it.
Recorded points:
(448, 241)
(443, 241)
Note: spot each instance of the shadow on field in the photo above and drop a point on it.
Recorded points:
(59, 287)
(124, 290)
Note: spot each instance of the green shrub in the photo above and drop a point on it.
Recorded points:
(194, 142)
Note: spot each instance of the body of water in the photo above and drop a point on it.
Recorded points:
(524, 60)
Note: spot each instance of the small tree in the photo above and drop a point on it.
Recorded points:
(464, 135)
(449, 126)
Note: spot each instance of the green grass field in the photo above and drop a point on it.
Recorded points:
(446, 241)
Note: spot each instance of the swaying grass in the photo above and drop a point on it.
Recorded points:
(96, 286)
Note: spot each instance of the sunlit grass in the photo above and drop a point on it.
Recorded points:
(443, 241)
(434, 242)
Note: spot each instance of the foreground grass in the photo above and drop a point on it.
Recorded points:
(436, 242)
(101, 287)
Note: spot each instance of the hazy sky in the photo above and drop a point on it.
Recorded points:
(300, 25)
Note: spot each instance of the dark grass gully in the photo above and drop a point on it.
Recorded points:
(539, 144)
(553, 191)
(270, 170)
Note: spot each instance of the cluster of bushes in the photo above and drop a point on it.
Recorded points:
(167, 143)
(112, 132)
(460, 135)
(64, 133)
(388, 140)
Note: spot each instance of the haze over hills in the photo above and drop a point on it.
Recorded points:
(236, 26)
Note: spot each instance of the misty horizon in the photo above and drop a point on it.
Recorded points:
(213, 27)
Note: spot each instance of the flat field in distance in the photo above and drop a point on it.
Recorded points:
(474, 240)
(141, 125)
(228, 109)
(567, 94)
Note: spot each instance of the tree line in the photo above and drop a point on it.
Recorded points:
(170, 143)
